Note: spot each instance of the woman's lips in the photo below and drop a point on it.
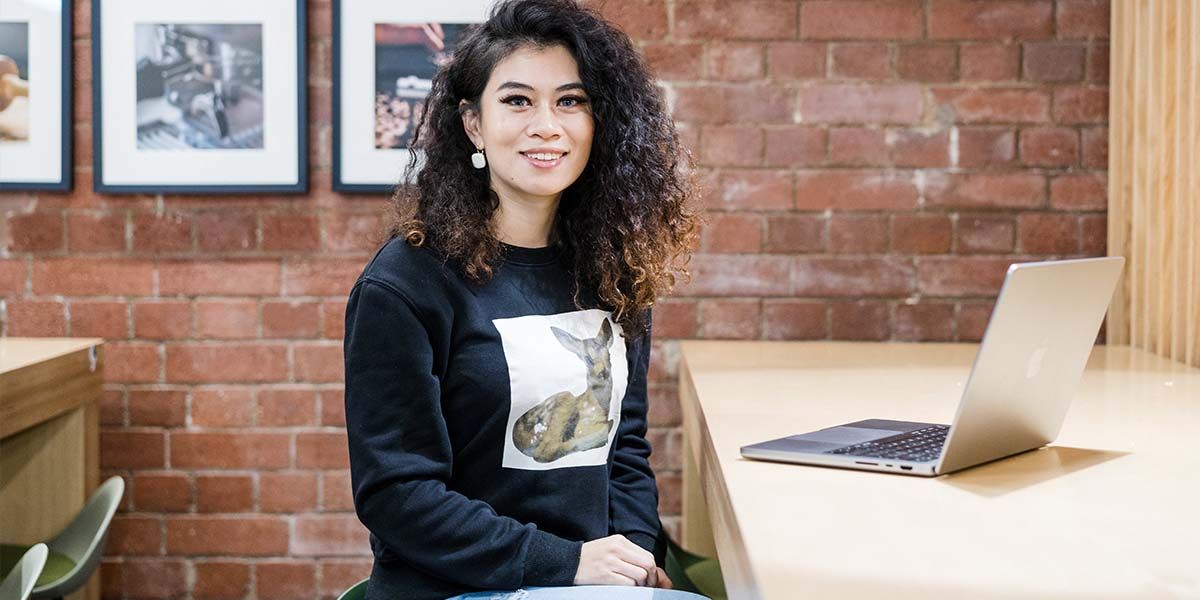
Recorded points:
(544, 164)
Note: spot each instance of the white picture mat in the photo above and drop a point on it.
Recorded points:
(362, 163)
(38, 159)
(125, 164)
(539, 366)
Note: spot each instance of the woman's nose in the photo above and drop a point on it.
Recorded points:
(544, 122)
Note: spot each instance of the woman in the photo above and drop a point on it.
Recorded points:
(497, 345)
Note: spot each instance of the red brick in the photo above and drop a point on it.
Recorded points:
(957, 277)
(336, 492)
(133, 535)
(759, 103)
(1093, 235)
(732, 233)
(36, 318)
(670, 493)
(286, 407)
(995, 19)
(793, 320)
(752, 190)
(219, 277)
(333, 406)
(322, 451)
(735, 61)
(339, 575)
(333, 319)
(900, 103)
(927, 62)
(861, 61)
(96, 232)
(919, 149)
(859, 320)
(1081, 191)
(858, 147)
(730, 319)
(154, 578)
(986, 190)
(211, 363)
(731, 146)
(795, 60)
(221, 580)
(664, 408)
(158, 408)
(674, 60)
(329, 535)
(737, 275)
(36, 231)
(93, 277)
(639, 19)
(131, 362)
(666, 445)
(795, 146)
(131, 449)
(112, 407)
(98, 319)
(284, 580)
(852, 276)
(162, 319)
(986, 147)
(750, 19)
(672, 318)
(226, 231)
(861, 19)
(287, 492)
(222, 408)
(702, 104)
(321, 277)
(12, 274)
(1049, 146)
(163, 492)
(1047, 233)
(170, 232)
(352, 232)
(1055, 62)
(921, 234)
(1082, 19)
(226, 536)
(194, 450)
(1080, 105)
(318, 362)
(924, 322)
(995, 105)
(978, 234)
(990, 62)
(1098, 66)
(858, 234)
(855, 190)
(226, 319)
(795, 234)
(290, 231)
(224, 493)
(972, 320)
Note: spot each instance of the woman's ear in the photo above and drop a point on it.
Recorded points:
(470, 119)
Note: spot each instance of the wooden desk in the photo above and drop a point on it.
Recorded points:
(1108, 511)
(49, 436)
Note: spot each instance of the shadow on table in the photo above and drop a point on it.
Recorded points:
(1018, 472)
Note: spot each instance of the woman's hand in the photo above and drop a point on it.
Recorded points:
(664, 582)
(615, 560)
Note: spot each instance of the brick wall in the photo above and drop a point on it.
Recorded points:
(871, 167)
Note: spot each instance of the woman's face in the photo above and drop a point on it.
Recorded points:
(535, 124)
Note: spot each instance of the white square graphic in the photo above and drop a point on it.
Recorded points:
(568, 374)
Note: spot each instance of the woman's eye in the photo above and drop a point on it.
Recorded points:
(574, 100)
(515, 99)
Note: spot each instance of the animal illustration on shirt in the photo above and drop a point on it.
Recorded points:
(566, 423)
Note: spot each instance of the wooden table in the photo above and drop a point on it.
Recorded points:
(1110, 510)
(49, 436)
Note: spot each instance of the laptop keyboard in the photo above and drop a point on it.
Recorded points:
(920, 445)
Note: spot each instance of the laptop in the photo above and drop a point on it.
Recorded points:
(1029, 364)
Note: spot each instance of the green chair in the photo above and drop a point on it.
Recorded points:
(74, 553)
(19, 581)
(357, 591)
(694, 573)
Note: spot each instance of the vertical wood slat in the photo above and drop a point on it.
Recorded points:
(1154, 189)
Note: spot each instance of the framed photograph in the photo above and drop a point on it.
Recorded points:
(35, 95)
(384, 56)
(199, 97)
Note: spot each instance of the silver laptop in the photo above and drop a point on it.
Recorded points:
(1033, 353)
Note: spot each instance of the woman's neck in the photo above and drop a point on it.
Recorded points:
(525, 223)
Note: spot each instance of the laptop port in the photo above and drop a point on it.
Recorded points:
(905, 468)
(859, 462)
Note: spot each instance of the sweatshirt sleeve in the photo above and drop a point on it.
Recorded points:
(633, 493)
(400, 460)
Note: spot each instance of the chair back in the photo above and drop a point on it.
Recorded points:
(18, 583)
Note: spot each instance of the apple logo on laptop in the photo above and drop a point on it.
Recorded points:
(1035, 361)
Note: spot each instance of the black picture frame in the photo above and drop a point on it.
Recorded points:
(64, 182)
(300, 186)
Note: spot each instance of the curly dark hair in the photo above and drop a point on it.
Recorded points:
(625, 226)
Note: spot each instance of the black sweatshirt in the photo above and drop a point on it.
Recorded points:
(493, 429)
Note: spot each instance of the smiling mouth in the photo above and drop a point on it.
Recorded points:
(544, 160)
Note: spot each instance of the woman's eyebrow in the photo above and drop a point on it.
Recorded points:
(525, 86)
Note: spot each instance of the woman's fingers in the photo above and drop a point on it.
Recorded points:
(634, 572)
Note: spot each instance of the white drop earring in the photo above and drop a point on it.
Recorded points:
(478, 160)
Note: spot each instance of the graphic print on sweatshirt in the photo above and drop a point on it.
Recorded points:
(568, 373)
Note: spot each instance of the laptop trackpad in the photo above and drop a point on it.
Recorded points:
(845, 435)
